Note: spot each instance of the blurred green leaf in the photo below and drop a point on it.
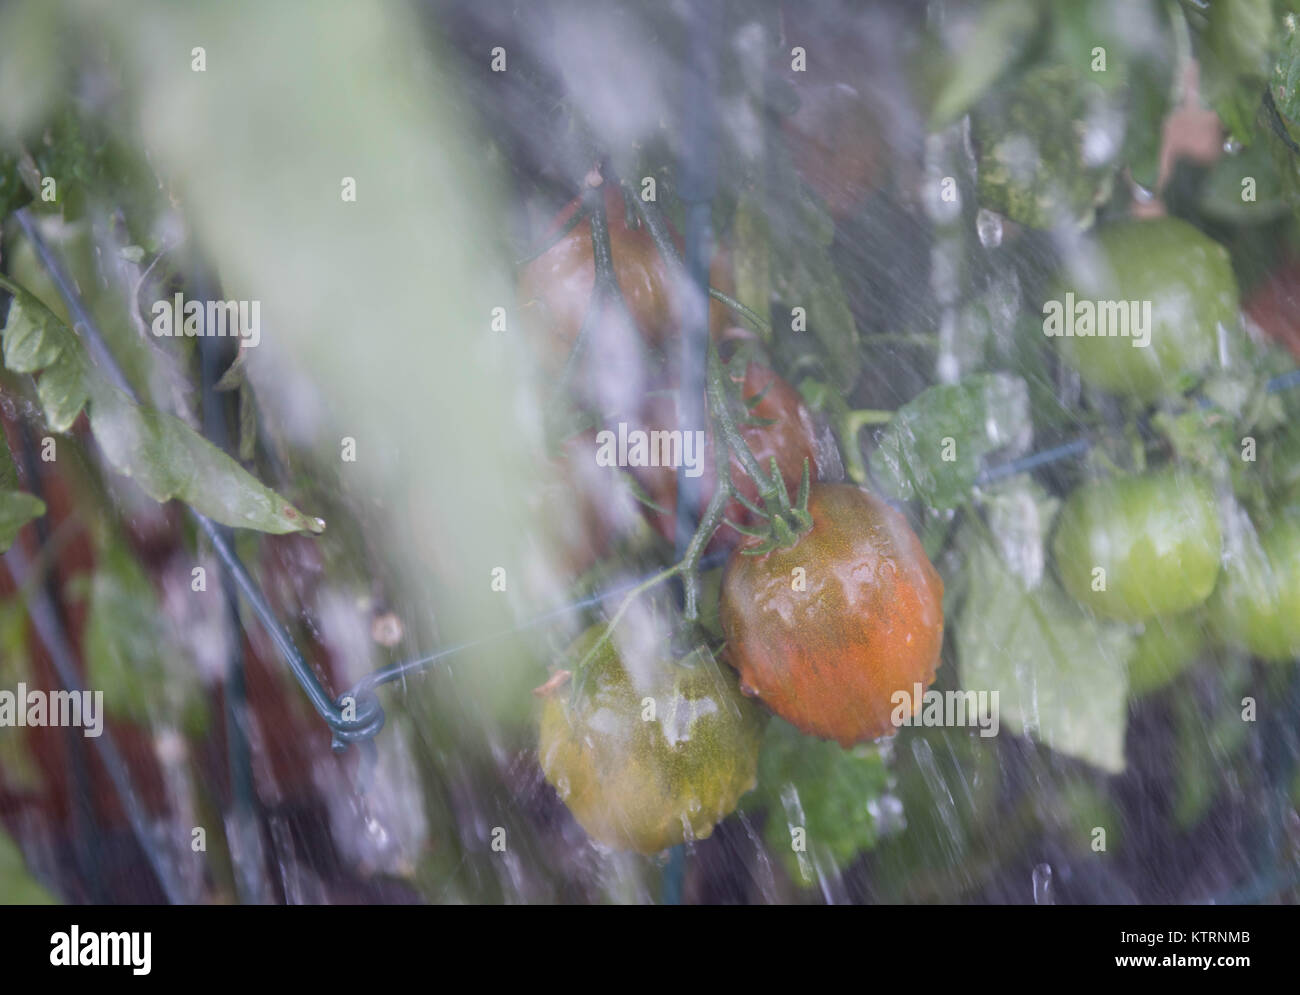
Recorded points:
(1285, 81)
(805, 276)
(1237, 51)
(834, 795)
(17, 886)
(936, 445)
(948, 783)
(1048, 147)
(131, 655)
(1061, 675)
(1001, 35)
(17, 508)
(168, 459)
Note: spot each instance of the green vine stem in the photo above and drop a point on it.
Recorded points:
(580, 668)
(750, 316)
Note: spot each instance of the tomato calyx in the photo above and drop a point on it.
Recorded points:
(786, 523)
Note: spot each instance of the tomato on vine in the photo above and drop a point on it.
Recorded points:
(1257, 604)
(826, 631)
(1163, 268)
(1139, 546)
(649, 750)
(557, 286)
(777, 425)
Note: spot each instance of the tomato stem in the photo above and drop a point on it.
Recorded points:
(581, 667)
(744, 312)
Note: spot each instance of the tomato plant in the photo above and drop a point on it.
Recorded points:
(826, 631)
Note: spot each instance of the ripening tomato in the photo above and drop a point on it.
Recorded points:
(1182, 275)
(1257, 604)
(557, 285)
(1275, 306)
(826, 632)
(1135, 547)
(835, 134)
(778, 425)
(834, 140)
(655, 750)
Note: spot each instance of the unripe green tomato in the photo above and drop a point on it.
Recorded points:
(653, 751)
(1155, 535)
(1187, 279)
(1164, 650)
(1257, 604)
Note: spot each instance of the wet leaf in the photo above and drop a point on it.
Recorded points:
(131, 655)
(17, 885)
(997, 40)
(17, 508)
(1061, 675)
(1047, 148)
(834, 795)
(159, 451)
(168, 459)
(938, 442)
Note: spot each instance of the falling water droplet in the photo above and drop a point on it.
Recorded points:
(1232, 146)
(989, 226)
(1043, 885)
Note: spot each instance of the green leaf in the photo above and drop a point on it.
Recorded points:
(16, 507)
(1237, 52)
(937, 443)
(17, 886)
(999, 38)
(805, 276)
(1061, 675)
(159, 451)
(131, 654)
(1285, 82)
(168, 459)
(36, 340)
(833, 794)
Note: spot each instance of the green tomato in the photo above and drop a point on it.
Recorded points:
(1186, 279)
(1257, 605)
(651, 751)
(1156, 537)
(1164, 650)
